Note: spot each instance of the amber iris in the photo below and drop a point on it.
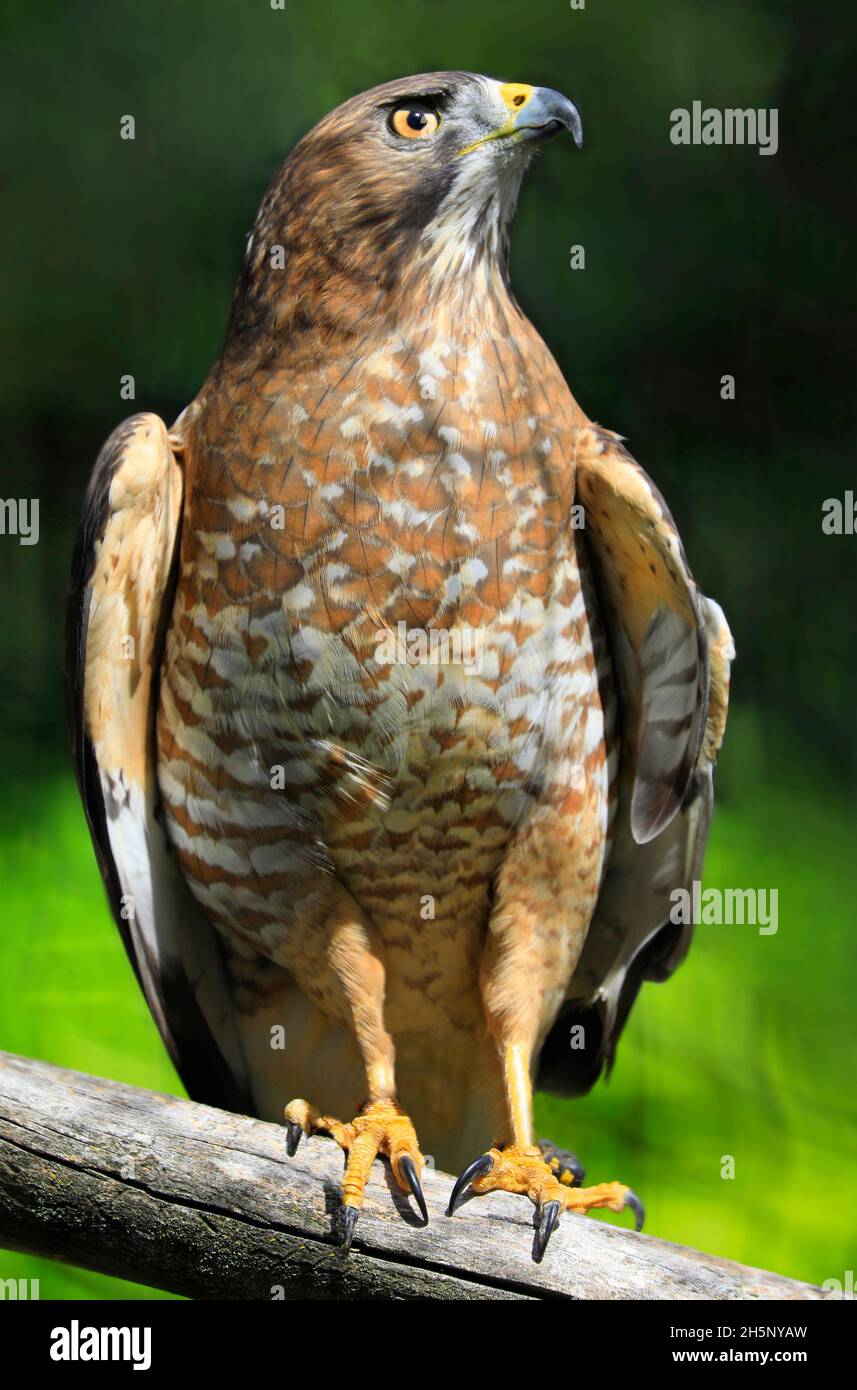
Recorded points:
(414, 121)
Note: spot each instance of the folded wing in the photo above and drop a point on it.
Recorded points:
(121, 592)
(671, 650)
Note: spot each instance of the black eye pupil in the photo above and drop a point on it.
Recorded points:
(417, 120)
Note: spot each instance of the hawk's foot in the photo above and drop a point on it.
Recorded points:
(382, 1127)
(525, 1171)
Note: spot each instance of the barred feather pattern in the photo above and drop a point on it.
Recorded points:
(420, 476)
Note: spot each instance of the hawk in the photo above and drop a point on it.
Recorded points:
(348, 864)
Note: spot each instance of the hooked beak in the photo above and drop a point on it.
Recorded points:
(545, 112)
(536, 113)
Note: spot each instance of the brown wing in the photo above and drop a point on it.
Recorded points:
(121, 591)
(656, 627)
(671, 650)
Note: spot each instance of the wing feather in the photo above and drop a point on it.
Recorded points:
(671, 650)
(655, 623)
(122, 583)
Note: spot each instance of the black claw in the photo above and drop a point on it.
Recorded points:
(633, 1201)
(548, 1217)
(477, 1169)
(408, 1167)
(293, 1137)
(347, 1221)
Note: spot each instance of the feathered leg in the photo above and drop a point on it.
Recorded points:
(542, 910)
(340, 965)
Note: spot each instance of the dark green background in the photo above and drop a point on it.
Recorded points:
(120, 257)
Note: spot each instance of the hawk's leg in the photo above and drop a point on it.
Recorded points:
(521, 1166)
(340, 964)
(546, 891)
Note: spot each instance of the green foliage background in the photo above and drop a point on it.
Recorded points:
(120, 257)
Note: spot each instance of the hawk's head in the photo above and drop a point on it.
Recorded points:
(405, 186)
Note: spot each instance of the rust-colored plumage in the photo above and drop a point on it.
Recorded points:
(421, 681)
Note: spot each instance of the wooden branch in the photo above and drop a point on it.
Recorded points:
(204, 1203)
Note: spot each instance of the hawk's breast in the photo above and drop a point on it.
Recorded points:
(380, 657)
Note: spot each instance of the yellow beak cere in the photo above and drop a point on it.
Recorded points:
(516, 95)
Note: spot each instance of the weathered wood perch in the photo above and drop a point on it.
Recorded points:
(205, 1203)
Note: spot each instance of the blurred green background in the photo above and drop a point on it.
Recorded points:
(120, 257)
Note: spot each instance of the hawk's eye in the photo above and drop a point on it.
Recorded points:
(414, 121)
